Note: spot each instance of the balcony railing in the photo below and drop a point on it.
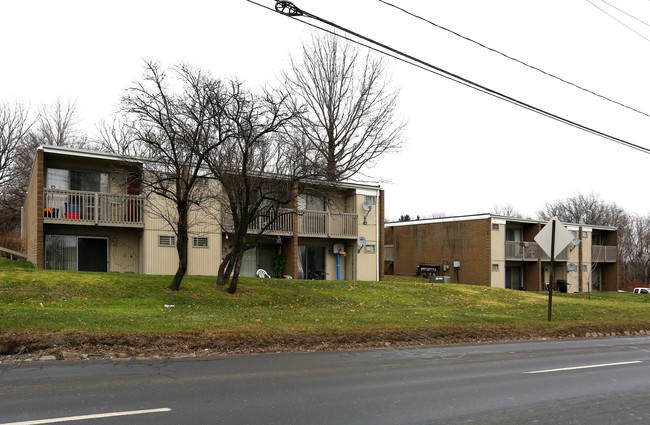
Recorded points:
(530, 251)
(603, 254)
(93, 208)
(310, 223)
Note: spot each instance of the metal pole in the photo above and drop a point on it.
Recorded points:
(552, 272)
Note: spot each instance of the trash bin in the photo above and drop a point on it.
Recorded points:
(561, 285)
(71, 211)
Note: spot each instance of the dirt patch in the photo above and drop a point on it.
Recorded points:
(49, 346)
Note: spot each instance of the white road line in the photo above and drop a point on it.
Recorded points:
(581, 367)
(95, 416)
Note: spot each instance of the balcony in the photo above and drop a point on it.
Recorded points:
(92, 208)
(310, 224)
(530, 251)
(603, 254)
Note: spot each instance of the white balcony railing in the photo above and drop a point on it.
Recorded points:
(94, 208)
(603, 254)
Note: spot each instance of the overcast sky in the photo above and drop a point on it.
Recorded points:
(465, 151)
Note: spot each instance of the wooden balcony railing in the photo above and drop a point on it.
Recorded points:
(310, 223)
(93, 208)
(530, 251)
(603, 254)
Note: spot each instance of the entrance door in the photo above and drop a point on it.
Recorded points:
(92, 254)
(249, 263)
(265, 255)
(312, 260)
(513, 277)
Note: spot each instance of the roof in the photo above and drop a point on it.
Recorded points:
(87, 153)
(492, 217)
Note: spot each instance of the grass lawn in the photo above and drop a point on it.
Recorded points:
(34, 302)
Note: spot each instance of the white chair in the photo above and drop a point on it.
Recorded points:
(262, 273)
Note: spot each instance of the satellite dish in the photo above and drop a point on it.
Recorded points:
(361, 242)
(367, 206)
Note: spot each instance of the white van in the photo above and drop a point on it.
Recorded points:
(641, 290)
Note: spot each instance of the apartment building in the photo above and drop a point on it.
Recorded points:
(501, 252)
(80, 213)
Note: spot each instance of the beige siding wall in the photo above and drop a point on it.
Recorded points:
(498, 244)
(367, 262)
(123, 244)
(164, 260)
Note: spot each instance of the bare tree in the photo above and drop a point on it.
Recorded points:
(507, 210)
(588, 209)
(14, 126)
(176, 129)
(634, 250)
(57, 125)
(348, 117)
(118, 138)
(256, 168)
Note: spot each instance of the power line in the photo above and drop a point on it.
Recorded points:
(289, 9)
(628, 14)
(618, 20)
(512, 58)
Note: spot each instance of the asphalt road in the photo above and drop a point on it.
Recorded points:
(596, 381)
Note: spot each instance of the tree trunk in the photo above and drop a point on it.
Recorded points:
(235, 277)
(181, 248)
(221, 276)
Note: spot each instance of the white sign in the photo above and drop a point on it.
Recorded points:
(562, 237)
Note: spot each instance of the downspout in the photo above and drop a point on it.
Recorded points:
(377, 237)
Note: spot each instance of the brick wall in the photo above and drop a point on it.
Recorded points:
(464, 241)
(33, 215)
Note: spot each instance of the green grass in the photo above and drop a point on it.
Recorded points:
(106, 303)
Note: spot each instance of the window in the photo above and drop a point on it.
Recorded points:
(584, 235)
(309, 202)
(495, 226)
(513, 235)
(495, 267)
(199, 242)
(370, 249)
(166, 240)
(585, 268)
(371, 199)
(89, 181)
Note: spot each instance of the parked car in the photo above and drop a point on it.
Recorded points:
(641, 290)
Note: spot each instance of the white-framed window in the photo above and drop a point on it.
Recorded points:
(495, 226)
(371, 199)
(585, 268)
(166, 240)
(199, 242)
(584, 235)
(370, 249)
(495, 267)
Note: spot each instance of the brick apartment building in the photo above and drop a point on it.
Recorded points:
(500, 252)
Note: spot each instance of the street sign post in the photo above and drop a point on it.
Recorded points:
(552, 239)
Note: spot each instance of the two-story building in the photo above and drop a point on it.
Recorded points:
(81, 214)
(501, 252)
